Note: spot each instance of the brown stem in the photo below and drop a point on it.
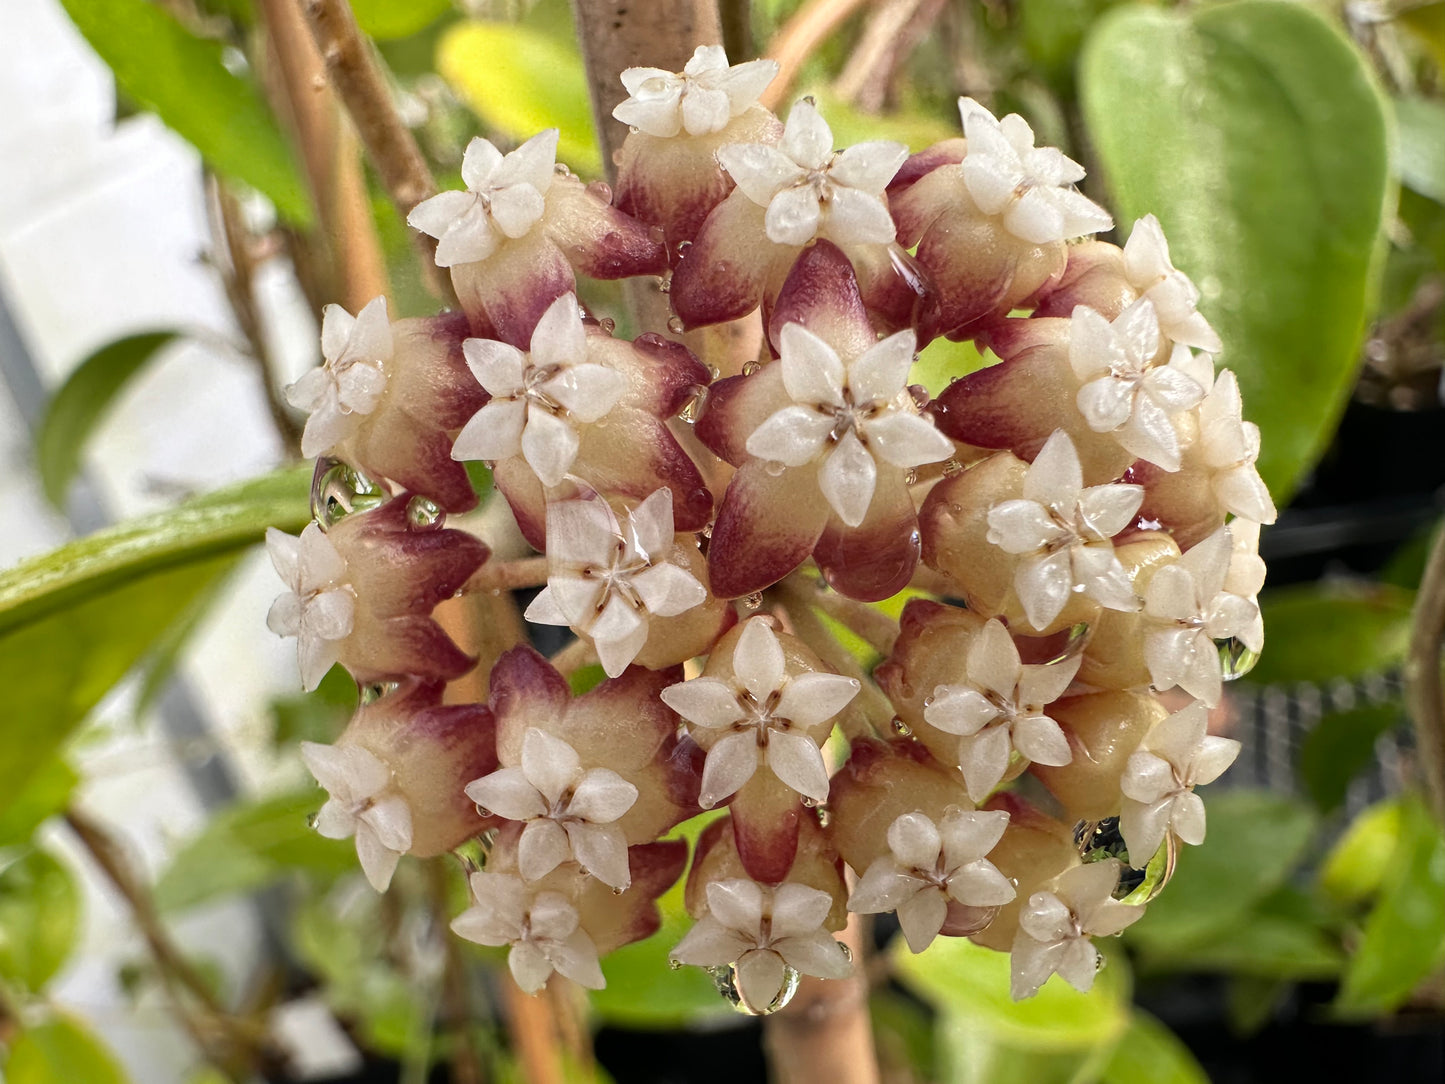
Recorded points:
(824, 1034)
(328, 153)
(466, 1059)
(388, 141)
(1423, 689)
(618, 34)
(799, 38)
(237, 267)
(231, 1044)
(533, 1033)
(891, 33)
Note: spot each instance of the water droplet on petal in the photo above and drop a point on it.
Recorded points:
(602, 190)
(617, 891)
(682, 247)
(423, 514)
(370, 694)
(675, 325)
(809, 803)
(607, 324)
(1235, 659)
(928, 701)
(675, 965)
(825, 816)
(846, 951)
(561, 170)
(751, 367)
(1100, 961)
(753, 601)
(338, 490)
(483, 812)
(725, 978)
(774, 468)
(902, 729)
(312, 820)
(910, 477)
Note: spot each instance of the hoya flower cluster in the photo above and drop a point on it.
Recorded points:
(1079, 523)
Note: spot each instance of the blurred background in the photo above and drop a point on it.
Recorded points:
(165, 915)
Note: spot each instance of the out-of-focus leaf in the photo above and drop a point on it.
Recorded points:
(388, 19)
(1322, 632)
(1052, 31)
(642, 990)
(849, 126)
(974, 1054)
(1404, 941)
(319, 715)
(1263, 945)
(61, 1051)
(1427, 22)
(903, 1031)
(1250, 1001)
(73, 621)
(161, 660)
(1340, 747)
(1421, 124)
(1255, 840)
(1225, 121)
(586, 678)
(1357, 864)
(43, 795)
(82, 401)
(184, 80)
(1149, 1053)
(250, 845)
(342, 939)
(971, 983)
(1407, 564)
(39, 920)
(520, 81)
(941, 362)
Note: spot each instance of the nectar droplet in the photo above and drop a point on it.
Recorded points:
(753, 601)
(339, 490)
(774, 468)
(751, 367)
(675, 325)
(312, 820)
(902, 729)
(1235, 659)
(910, 477)
(725, 978)
(423, 514)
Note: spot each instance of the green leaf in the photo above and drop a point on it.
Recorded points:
(942, 362)
(1256, 134)
(77, 408)
(1340, 747)
(388, 19)
(1427, 22)
(971, 983)
(74, 621)
(39, 920)
(1150, 1053)
(61, 1051)
(974, 1054)
(319, 715)
(164, 656)
(250, 845)
(1250, 1001)
(1357, 864)
(520, 81)
(1404, 941)
(1262, 945)
(1254, 842)
(642, 990)
(1421, 125)
(1321, 632)
(44, 795)
(183, 79)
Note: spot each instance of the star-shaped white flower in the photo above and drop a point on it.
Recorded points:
(606, 580)
(764, 715)
(929, 864)
(1032, 188)
(1189, 609)
(999, 708)
(762, 932)
(569, 813)
(320, 606)
(1055, 926)
(1148, 269)
(700, 99)
(809, 190)
(851, 417)
(1177, 755)
(349, 382)
(361, 803)
(538, 396)
(1246, 567)
(542, 928)
(1230, 446)
(1126, 391)
(1065, 532)
(505, 198)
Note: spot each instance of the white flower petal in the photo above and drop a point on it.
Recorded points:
(848, 478)
(549, 763)
(378, 862)
(758, 660)
(730, 763)
(704, 702)
(812, 698)
(549, 445)
(796, 760)
(507, 793)
(543, 847)
(812, 372)
(494, 432)
(601, 797)
(905, 439)
(602, 851)
(915, 841)
(792, 436)
(667, 590)
(922, 916)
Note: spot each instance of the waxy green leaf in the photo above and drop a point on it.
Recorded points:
(1256, 133)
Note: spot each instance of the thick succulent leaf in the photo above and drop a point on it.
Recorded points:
(1225, 121)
